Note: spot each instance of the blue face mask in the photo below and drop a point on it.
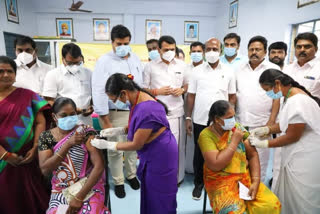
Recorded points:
(123, 50)
(196, 57)
(273, 95)
(229, 123)
(68, 123)
(230, 51)
(154, 54)
(121, 105)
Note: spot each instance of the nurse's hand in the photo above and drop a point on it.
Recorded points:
(257, 142)
(112, 132)
(260, 132)
(104, 144)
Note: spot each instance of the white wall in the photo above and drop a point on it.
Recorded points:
(131, 13)
(26, 24)
(271, 19)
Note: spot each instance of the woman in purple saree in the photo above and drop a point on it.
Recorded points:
(22, 187)
(66, 152)
(148, 133)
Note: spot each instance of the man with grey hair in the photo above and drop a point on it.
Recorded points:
(207, 84)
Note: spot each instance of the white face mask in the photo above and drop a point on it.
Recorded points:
(212, 56)
(25, 58)
(73, 68)
(168, 56)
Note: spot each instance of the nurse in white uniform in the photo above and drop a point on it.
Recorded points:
(298, 185)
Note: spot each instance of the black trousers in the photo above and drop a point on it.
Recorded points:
(197, 156)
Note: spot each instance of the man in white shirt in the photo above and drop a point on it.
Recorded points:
(277, 53)
(306, 70)
(119, 60)
(254, 107)
(30, 70)
(208, 83)
(196, 55)
(71, 80)
(166, 78)
(231, 57)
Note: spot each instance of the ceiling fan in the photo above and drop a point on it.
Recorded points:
(76, 7)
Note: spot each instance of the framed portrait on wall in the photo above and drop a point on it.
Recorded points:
(153, 29)
(64, 27)
(12, 11)
(302, 3)
(233, 14)
(101, 29)
(191, 31)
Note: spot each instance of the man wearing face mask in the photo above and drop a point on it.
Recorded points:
(119, 60)
(71, 80)
(210, 82)
(305, 70)
(254, 107)
(277, 53)
(231, 56)
(196, 54)
(152, 46)
(166, 78)
(30, 70)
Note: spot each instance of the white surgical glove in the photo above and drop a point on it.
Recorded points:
(257, 142)
(112, 132)
(104, 144)
(260, 132)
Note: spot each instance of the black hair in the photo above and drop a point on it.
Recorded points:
(195, 44)
(232, 36)
(22, 40)
(191, 27)
(11, 62)
(269, 76)
(307, 36)
(168, 39)
(62, 101)
(277, 46)
(118, 82)
(261, 39)
(72, 49)
(218, 109)
(178, 50)
(151, 41)
(120, 32)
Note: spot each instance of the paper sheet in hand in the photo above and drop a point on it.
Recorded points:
(243, 192)
(62, 209)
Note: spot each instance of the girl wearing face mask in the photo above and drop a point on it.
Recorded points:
(298, 185)
(230, 159)
(66, 152)
(148, 133)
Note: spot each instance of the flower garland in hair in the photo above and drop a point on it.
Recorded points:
(130, 76)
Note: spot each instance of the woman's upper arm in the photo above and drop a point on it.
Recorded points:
(44, 155)
(95, 154)
(250, 150)
(295, 131)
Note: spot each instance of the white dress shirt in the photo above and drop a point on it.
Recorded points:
(31, 78)
(107, 65)
(210, 85)
(158, 74)
(60, 82)
(253, 104)
(307, 75)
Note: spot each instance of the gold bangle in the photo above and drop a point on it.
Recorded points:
(75, 197)
(4, 154)
(59, 155)
(229, 147)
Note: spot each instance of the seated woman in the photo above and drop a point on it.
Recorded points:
(226, 154)
(22, 187)
(66, 152)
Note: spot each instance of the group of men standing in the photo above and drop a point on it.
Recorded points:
(217, 72)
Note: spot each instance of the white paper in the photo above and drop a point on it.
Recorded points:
(243, 192)
(62, 209)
